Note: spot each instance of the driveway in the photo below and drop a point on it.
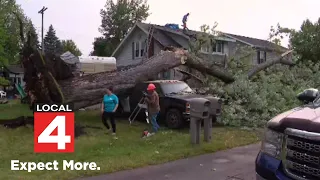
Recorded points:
(233, 164)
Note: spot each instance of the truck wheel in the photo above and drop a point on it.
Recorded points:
(174, 119)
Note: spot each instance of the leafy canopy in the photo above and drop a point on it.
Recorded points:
(10, 41)
(117, 19)
(305, 41)
(272, 91)
(70, 45)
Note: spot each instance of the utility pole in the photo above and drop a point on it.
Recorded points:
(42, 12)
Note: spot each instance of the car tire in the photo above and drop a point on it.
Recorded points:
(174, 119)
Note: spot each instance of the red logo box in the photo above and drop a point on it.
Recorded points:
(53, 132)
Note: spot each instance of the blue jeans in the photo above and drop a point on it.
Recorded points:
(155, 125)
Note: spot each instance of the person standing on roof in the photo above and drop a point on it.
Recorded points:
(184, 21)
(152, 101)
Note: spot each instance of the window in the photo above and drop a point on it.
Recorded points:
(218, 47)
(166, 74)
(261, 56)
(138, 49)
(133, 46)
(137, 52)
(142, 48)
(205, 48)
(214, 47)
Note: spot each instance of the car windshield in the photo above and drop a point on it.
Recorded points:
(175, 88)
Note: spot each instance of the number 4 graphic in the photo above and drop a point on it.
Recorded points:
(61, 138)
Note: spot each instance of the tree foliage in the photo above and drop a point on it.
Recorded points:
(10, 42)
(305, 41)
(52, 44)
(117, 19)
(252, 102)
(70, 45)
(34, 38)
(4, 82)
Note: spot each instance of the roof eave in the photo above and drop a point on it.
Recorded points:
(237, 39)
(281, 49)
(221, 38)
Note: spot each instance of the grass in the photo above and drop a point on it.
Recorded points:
(129, 151)
(13, 109)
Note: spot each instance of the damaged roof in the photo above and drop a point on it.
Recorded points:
(161, 34)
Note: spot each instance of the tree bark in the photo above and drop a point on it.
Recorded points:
(49, 80)
(209, 68)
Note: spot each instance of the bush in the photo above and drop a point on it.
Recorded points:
(4, 82)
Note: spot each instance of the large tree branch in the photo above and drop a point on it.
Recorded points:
(189, 76)
(208, 68)
(271, 62)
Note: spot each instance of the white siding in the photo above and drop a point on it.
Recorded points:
(18, 78)
(124, 55)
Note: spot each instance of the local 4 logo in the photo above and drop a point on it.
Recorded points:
(53, 128)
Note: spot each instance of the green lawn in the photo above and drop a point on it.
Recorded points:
(129, 151)
(14, 109)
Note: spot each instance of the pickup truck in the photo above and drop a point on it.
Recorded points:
(174, 97)
(290, 149)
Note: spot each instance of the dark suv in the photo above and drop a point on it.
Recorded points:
(174, 99)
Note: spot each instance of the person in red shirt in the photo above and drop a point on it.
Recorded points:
(152, 101)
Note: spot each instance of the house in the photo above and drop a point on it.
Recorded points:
(15, 74)
(133, 47)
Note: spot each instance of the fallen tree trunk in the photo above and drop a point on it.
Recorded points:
(271, 62)
(45, 82)
(50, 80)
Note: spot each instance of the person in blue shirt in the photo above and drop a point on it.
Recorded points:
(184, 21)
(109, 106)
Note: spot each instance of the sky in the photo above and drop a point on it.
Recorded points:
(79, 20)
